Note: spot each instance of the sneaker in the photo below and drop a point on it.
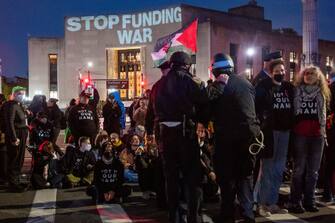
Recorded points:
(296, 209)
(19, 188)
(275, 209)
(311, 208)
(264, 211)
(146, 195)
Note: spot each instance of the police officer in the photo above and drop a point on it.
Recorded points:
(174, 102)
(235, 125)
(16, 132)
(83, 119)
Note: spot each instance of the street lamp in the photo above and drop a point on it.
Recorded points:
(250, 53)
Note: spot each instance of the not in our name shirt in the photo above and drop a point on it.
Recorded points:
(307, 118)
(108, 177)
(282, 107)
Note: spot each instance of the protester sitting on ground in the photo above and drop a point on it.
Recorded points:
(127, 157)
(203, 143)
(41, 130)
(46, 168)
(145, 159)
(78, 163)
(108, 177)
(101, 138)
(118, 145)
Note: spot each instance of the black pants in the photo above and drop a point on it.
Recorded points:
(234, 168)
(180, 157)
(15, 155)
(56, 134)
(3, 162)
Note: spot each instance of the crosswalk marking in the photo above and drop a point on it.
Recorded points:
(43, 207)
(113, 213)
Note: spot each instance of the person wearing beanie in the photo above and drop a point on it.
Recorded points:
(235, 126)
(83, 119)
(14, 121)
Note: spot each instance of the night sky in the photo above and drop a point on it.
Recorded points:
(20, 19)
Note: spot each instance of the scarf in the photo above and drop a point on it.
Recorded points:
(311, 92)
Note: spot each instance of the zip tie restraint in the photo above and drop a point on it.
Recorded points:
(256, 147)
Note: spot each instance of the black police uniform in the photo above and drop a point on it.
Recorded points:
(235, 126)
(174, 101)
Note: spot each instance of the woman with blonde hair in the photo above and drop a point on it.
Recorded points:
(311, 98)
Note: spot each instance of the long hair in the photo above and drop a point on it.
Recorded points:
(321, 82)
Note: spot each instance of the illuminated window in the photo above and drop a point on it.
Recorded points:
(53, 94)
(293, 56)
(329, 61)
(291, 74)
(53, 72)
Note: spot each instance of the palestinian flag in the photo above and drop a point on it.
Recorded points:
(184, 39)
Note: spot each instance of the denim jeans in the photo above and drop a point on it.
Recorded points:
(271, 172)
(307, 156)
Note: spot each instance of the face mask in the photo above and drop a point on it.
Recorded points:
(19, 98)
(44, 120)
(278, 77)
(85, 147)
(108, 155)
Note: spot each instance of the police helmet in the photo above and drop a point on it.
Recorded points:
(222, 64)
(180, 58)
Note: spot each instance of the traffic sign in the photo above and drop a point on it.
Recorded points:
(117, 84)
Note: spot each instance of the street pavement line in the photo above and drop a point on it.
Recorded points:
(43, 208)
(113, 213)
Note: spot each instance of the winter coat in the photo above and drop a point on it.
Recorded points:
(264, 103)
(112, 114)
(233, 110)
(83, 120)
(54, 116)
(75, 162)
(40, 132)
(139, 116)
(262, 75)
(177, 96)
(13, 118)
(123, 110)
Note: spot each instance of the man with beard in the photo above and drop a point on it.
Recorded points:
(235, 126)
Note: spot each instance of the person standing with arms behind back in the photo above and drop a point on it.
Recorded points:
(235, 126)
(310, 107)
(16, 132)
(274, 108)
